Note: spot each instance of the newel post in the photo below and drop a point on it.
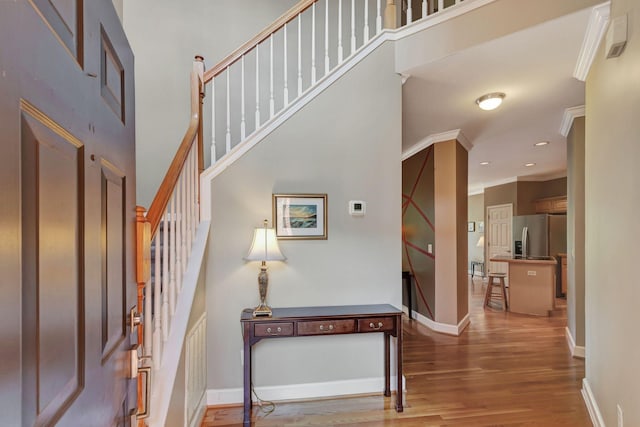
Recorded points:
(390, 15)
(143, 260)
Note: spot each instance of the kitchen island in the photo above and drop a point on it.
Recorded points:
(531, 284)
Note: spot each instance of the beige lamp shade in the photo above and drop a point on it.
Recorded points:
(480, 243)
(264, 246)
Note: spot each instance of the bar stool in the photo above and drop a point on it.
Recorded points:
(502, 290)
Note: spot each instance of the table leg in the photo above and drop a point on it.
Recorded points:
(387, 363)
(247, 376)
(399, 407)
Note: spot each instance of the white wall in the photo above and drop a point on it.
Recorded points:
(346, 143)
(165, 36)
(612, 201)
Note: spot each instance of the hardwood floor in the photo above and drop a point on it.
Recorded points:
(504, 370)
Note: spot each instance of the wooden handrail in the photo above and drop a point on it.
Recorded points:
(161, 200)
(287, 17)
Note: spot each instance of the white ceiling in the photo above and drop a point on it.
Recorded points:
(534, 68)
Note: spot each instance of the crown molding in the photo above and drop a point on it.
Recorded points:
(455, 134)
(595, 31)
(570, 114)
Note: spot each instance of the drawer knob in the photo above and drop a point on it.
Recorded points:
(330, 328)
(271, 331)
(378, 326)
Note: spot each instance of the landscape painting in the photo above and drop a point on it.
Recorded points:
(300, 216)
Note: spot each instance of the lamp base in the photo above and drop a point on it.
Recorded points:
(262, 311)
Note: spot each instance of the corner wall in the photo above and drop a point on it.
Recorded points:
(346, 143)
(612, 202)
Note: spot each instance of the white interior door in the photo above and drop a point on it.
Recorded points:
(499, 236)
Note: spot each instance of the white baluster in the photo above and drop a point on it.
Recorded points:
(366, 21)
(213, 121)
(299, 54)
(194, 185)
(165, 278)
(148, 316)
(313, 44)
(179, 219)
(440, 5)
(183, 244)
(353, 27)
(157, 298)
(340, 49)
(271, 100)
(409, 12)
(286, 75)
(326, 38)
(378, 18)
(172, 254)
(243, 126)
(257, 87)
(424, 8)
(185, 176)
(228, 145)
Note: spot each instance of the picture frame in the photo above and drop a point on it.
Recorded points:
(471, 226)
(300, 216)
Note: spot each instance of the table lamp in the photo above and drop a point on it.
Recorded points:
(480, 243)
(264, 248)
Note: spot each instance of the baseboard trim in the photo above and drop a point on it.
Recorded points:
(443, 328)
(592, 405)
(577, 351)
(229, 396)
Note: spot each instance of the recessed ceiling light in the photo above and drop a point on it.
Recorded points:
(484, 163)
(529, 164)
(490, 101)
(541, 143)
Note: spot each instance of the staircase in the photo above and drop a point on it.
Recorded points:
(250, 94)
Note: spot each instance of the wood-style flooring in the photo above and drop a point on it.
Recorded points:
(504, 370)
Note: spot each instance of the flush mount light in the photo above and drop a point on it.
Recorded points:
(484, 163)
(541, 143)
(529, 164)
(490, 101)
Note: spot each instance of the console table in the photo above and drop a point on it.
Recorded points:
(314, 321)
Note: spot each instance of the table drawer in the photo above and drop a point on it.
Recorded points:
(273, 329)
(376, 324)
(327, 327)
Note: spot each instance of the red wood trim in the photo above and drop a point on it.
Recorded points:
(287, 17)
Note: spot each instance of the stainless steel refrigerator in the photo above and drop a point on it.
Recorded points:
(539, 235)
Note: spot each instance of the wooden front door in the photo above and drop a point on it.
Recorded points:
(67, 180)
(499, 220)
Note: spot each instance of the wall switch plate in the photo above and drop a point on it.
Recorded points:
(531, 273)
(430, 248)
(357, 208)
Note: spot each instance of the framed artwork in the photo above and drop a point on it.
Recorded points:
(471, 226)
(300, 216)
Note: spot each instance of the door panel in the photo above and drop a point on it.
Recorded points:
(499, 219)
(67, 175)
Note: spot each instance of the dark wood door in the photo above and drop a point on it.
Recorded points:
(67, 181)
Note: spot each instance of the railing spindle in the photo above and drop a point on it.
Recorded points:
(257, 87)
(272, 103)
(213, 121)
(326, 38)
(424, 8)
(313, 44)
(409, 13)
(299, 54)
(165, 278)
(340, 49)
(366, 21)
(228, 137)
(148, 316)
(440, 5)
(186, 173)
(285, 93)
(243, 126)
(183, 223)
(378, 18)
(157, 296)
(172, 255)
(353, 27)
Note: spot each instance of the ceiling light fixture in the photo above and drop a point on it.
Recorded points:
(490, 101)
(484, 163)
(529, 164)
(541, 143)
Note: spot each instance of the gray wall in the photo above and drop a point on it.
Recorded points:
(346, 143)
(165, 35)
(575, 231)
(612, 201)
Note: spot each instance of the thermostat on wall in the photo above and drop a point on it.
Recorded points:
(357, 207)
